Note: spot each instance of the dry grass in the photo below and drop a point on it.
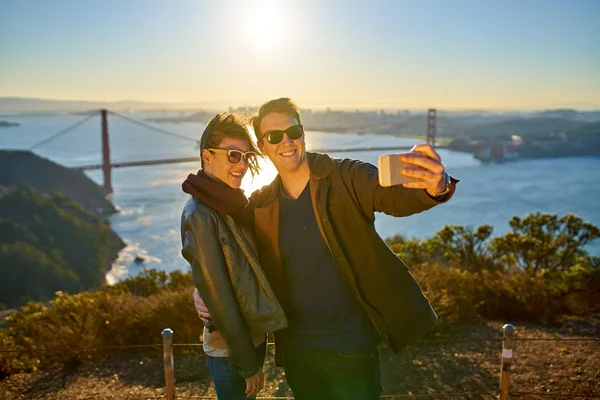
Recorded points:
(471, 365)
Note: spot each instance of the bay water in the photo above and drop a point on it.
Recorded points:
(150, 198)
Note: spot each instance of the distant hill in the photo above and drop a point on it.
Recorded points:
(543, 137)
(526, 127)
(569, 113)
(590, 129)
(199, 116)
(18, 105)
(563, 113)
(463, 125)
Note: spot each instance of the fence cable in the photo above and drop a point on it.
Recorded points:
(440, 341)
(131, 346)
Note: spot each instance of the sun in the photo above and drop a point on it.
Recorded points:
(264, 24)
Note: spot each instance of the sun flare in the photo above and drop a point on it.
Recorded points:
(264, 24)
(268, 172)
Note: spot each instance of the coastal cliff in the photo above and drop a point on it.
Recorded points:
(51, 236)
(25, 168)
(49, 243)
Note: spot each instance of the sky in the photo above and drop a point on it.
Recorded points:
(452, 54)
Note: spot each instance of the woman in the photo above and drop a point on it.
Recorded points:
(217, 242)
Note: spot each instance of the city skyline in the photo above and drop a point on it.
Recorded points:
(342, 54)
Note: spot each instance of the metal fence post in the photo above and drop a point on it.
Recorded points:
(167, 336)
(507, 347)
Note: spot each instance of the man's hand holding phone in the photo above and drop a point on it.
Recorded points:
(422, 168)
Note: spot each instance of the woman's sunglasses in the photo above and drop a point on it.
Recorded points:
(235, 156)
(293, 132)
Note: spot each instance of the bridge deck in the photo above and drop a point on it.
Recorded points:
(195, 158)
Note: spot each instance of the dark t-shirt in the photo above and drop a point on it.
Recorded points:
(324, 311)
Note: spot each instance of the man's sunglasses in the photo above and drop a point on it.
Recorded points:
(235, 156)
(293, 132)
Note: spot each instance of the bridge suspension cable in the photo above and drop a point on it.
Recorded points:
(148, 126)
(69, 129)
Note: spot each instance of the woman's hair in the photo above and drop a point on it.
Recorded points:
(228, 125)
(282, 105)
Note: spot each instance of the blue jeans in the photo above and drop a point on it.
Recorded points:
(319, 374)
(229, 385)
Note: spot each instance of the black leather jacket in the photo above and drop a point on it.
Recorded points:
(229, 278)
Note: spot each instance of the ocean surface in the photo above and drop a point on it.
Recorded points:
(150, 198)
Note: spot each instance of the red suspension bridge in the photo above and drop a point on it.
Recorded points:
(107, 165)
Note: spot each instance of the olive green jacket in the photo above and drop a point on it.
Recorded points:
(345, 196)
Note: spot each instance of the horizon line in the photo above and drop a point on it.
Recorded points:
(333, 105)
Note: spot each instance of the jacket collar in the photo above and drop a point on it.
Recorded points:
(320, 165)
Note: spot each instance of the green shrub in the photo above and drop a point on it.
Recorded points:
(460, 296)
(544, 242)
(537, 242)
(111, 317)
(451, 291)
(538, 271)
(463, 246)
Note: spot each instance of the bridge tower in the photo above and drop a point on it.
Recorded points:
(431, 119)
(107, 187)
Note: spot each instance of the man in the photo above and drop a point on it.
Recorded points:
(343, 290)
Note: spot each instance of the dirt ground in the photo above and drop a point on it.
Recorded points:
(464, 359)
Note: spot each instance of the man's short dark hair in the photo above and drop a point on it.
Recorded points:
(225, 125)
(282, 105)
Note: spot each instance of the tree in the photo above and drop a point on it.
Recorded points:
(464, 246)
(545, 242)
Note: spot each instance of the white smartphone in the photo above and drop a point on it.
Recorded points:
(389, 170)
